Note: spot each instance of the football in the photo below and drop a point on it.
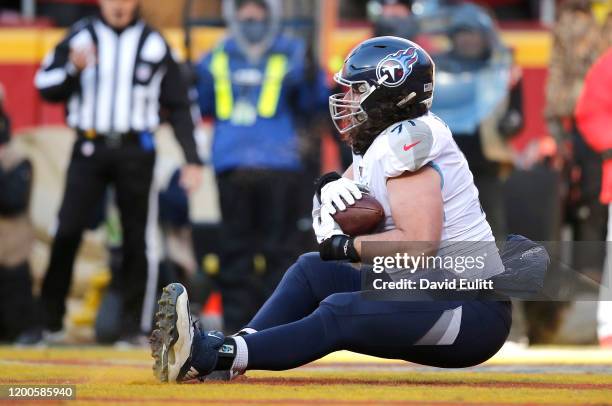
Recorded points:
(364, 217)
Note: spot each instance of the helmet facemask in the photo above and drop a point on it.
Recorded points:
(346, 109)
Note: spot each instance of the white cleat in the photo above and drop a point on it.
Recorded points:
(171, 341)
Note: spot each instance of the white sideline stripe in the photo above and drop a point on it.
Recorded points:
(53, 77)
(148, 304)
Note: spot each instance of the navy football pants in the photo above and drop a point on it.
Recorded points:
(318, 308)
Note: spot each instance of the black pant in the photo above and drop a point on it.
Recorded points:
(16, 302)
(259, 216)
(587, 215)
(93, 167)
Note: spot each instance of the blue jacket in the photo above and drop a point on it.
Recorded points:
(268, 143)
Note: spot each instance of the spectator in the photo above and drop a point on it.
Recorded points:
(576, 45)
(392, 17)
(16, 236)
(251, 84)
(594, 119)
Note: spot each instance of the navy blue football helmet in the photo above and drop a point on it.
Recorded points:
(382, 71)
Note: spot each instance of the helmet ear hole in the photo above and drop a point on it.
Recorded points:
(362, 88)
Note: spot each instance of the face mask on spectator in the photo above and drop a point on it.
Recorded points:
(254, 31)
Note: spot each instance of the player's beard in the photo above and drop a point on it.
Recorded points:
(360, 138)
(379, 119)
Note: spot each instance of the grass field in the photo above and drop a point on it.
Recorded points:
(554, 376)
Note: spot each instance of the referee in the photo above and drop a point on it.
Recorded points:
(118, 79)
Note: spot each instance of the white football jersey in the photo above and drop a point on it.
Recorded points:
(410, 145)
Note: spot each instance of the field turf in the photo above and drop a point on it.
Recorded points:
(104, 376)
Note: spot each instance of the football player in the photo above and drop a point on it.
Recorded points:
(408, 160)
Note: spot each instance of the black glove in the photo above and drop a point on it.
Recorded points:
(338, 248)
(510, 124)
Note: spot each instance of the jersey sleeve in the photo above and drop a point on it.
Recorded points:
(57, 78)
(408, 146)
(174, 99)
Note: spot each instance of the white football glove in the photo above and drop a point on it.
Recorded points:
(340, 192)
(323, 223)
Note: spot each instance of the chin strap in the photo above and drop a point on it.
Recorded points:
(406, 99)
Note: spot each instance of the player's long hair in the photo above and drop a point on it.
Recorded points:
(380, 118)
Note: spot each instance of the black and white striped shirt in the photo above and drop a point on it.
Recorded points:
(133, 79)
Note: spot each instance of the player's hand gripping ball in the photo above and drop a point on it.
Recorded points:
(340, 192)
(352, 207)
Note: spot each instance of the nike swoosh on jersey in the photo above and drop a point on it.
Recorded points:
(409, 147)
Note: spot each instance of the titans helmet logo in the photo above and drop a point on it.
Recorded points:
(396, 67)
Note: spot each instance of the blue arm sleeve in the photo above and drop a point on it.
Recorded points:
(206, 88)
